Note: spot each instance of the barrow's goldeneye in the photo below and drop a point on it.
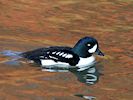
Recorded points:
(80, 56)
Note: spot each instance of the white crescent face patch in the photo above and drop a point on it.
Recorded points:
(93, 49)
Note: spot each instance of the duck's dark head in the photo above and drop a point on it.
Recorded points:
(87, 46)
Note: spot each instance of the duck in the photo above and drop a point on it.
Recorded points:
(79, 56)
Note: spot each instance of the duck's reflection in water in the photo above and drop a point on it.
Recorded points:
(88, 76)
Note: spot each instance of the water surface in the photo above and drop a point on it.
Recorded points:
(27, 25)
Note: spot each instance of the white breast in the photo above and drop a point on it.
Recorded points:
(86, 61)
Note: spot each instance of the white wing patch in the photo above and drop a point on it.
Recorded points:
(48, 52)
(53, 52)
(57, 53)
(53, 57)
(69, 56)
(92, 50)
(63, 54)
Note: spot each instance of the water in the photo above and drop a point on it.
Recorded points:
(14, 57)
(29, 25)
(89, 76)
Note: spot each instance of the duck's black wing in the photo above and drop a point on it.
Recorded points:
(61, 54)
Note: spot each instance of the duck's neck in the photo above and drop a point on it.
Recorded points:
(81, 51)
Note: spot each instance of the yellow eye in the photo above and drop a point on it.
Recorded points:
(88, 44)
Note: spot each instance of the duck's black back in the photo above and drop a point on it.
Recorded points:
(35, 54)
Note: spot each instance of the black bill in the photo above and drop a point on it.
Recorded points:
(98, 52)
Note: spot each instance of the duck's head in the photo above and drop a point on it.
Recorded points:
(87, 46)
